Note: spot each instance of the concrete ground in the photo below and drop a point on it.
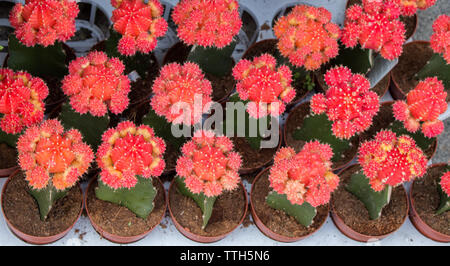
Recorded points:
(424, 31)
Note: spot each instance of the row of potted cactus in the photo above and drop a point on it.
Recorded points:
(71, 117)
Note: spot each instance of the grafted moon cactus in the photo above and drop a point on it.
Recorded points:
(440, 40)
(348, 102)
(307, 36)
(444, 191)
(305, 176)
(207, 22)
(209, 165)
(375, 25)
(409, 7)
(53, 161)
(389, 160)
(21, 100)
(44, 22)
(445, 183)
(422, 108)
(128, 151)
(263, 84)
(96, 83)
(181, 93)
(140, 22)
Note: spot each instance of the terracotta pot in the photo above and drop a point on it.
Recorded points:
(350, 233)
(420, 224)
(266, 230)
(286, 143)
(116, 238)
(395, 90)
(37, 240)
(199, 238)
(8, 171)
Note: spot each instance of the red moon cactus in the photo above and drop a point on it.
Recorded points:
(445, 183)
(440, 40)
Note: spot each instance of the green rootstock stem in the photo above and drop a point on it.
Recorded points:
(205, 203)
(38, 60)
(10, 139)
(46, 197)
(304, 214)
(318, 127)
(436, 67)
(138, 199)
(373, 200)
(217, 62)
(357, 59)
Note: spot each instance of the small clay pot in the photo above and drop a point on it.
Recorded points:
(116, 238)
(199, 238)
(419, 223)
(288, 143)
(397, 92)
(349, 231)
(249, 54)
(36, 240)
(266, 230)
(8, 171)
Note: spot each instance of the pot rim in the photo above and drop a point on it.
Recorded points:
(37, 240)
(350, 232)
(419, 223)
(199, 238)
(266, 230)
(116, 238)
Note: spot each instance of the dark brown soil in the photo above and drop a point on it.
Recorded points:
(22, 210)
(382, 120)
(295, 121)
(355, 215)
(226, 215)
(222, 86)
(251, 158)
(278, 221)
(381, 87)
(270, 47)
(118, 220)
(427, 199)
(414, 57)
(8, 156)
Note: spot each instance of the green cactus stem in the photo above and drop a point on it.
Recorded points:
(423, 142)
(304, 214)
(373, 200)
(212, 60)
(91, 127)
(436, 67)
(9, 139)
(139, 199)
(357, 59)
(205, 203)
(318, 127)
(445, 199)
(31, 59)
(46, 198)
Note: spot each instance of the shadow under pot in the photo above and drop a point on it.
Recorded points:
(385, 119)
(222, 87)
(117, 223)
(425, 201)
(276, 224)
(301, 127)
(300, 84)
(22, 215)
(415, 56)
(229, 211)
(352, 218)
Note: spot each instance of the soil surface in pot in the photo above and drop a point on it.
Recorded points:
(222, 86)
(270, 47)
(22, 210)
(380, 89)
(414, 57)
(355, 215)
(8, 156)
(382, 120)
(118, 220)
(427, 199)
(226, 215)
(278, 221)
(252, 158)
(295, 122)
